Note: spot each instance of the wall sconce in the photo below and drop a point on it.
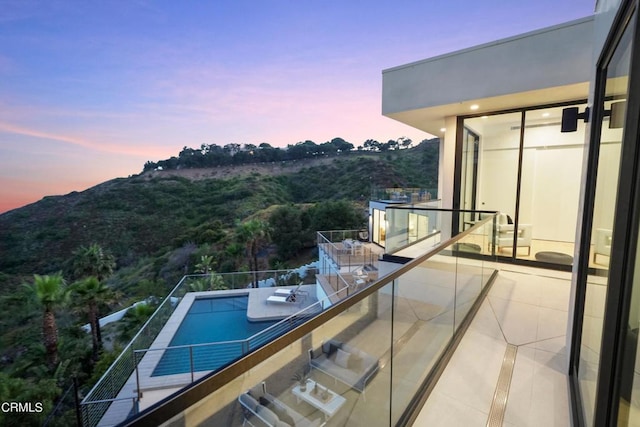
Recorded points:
(570, 118)
(571, 115)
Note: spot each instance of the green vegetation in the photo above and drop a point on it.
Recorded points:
(212, 155)
(128, 240)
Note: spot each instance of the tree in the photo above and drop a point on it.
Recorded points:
(254, 234)
(49, 291)
(44, 391)
(205, 265)
(342, 145)
(233, 253)
(212, 282)
(289, 232)
(93, 261)
(405, 142)
(91, 292)
(338, 215)
(136, 316)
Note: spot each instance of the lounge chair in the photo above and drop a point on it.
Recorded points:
(285, 292)
(279, 299)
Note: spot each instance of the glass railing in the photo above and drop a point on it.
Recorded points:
(410, 195)
(367, 360)
(345, 249)
(424, 228)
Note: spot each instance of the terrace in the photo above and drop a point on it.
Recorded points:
(408, 321)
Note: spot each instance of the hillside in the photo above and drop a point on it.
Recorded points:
(159, 210)
(162, 224)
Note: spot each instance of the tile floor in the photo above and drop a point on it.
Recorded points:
(528, 308)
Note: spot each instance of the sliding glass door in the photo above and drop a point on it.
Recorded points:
(522, 165)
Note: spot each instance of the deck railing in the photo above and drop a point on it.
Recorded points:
(331, 243)
(406, 326)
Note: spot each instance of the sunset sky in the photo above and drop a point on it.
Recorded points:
(90, 91)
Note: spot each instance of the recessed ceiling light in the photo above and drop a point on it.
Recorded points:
(545, 114)
(484, 117)
(474, 107)
(443, 129)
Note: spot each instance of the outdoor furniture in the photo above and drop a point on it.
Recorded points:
(320, 397)
(344, 363)
(602, 243)
(288, 296)
(290, 299)
(360, 277)
(554, 257)
(284, 292)
(260, 408)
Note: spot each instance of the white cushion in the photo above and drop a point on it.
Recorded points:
(342, 358)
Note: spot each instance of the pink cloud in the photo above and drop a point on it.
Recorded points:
(92, 145)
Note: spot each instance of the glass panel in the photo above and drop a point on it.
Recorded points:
(340, 373)
(618, 90)
(604, 204)
(423, 325)
(497, 168)
(362, 332)
(550, 187)
(469, 177)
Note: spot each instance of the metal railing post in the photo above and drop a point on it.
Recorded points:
(135, 364)
(191, 361)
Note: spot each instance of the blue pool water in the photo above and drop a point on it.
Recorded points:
(210, 320)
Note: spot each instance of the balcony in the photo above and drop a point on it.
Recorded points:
(400, 331)
(404, 195)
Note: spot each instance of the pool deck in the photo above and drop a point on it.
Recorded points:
(258, 309)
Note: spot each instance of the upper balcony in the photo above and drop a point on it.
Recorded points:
(409, 195)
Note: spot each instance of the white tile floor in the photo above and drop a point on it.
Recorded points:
(527, 308)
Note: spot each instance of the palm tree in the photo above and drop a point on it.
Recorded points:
(254, 234)
(91, 292)
(93, 261)
(213, 282)
(205, 265)
(234, 251)
(50, 291)
(132, 321)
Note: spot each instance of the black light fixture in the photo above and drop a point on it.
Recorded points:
(571, 115)
(570, 118)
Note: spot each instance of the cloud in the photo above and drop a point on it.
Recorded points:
(85, 143)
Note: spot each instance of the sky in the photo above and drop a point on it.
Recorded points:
(89, 91)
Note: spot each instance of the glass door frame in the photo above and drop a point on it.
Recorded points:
(459, 163)
(625, 230)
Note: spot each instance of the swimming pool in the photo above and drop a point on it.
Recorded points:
(209, 320)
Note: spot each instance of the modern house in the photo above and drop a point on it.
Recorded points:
(526, 310)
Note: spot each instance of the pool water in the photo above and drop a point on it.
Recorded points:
(209, 320)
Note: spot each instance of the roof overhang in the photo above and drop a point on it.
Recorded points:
(548, 66)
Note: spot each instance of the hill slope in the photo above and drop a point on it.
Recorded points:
(159, 210)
